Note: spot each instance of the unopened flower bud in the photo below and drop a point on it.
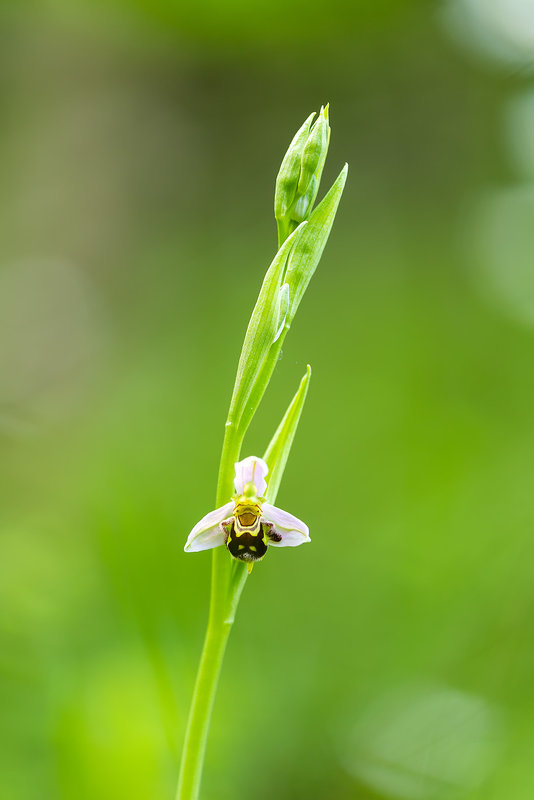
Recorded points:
(314, 153)
(300, 174)
(288, 177)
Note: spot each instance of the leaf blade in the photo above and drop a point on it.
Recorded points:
(280, 445)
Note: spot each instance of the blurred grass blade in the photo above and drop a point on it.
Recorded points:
(262, 329)
(278, 451)
(309, 249)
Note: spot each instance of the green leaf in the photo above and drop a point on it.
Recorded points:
(263, 328)
(306, 254)
(278, 451)
(302, 263)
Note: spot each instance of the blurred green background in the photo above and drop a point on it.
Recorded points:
(139, 144)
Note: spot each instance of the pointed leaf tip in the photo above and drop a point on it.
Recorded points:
(305, 256)
(279, 448)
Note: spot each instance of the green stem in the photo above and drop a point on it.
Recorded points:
(227, 582)
(200, 714)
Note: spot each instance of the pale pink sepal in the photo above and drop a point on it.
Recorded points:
(208, 532)
(292, 530)
(251, 470)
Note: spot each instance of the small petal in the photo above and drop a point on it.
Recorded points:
(251, 470)
(283, 299)
(292, 530)
(208, 532)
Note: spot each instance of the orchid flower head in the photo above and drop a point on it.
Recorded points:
(247, 524)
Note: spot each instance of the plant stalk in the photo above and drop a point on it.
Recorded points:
(227, 582)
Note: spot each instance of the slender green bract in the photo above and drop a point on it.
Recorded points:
(268, 316)
(303, 234)
(280, 445)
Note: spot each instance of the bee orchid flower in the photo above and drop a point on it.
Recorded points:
(247, 525)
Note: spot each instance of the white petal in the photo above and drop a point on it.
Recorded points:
(208, 532)
(292, 530)
(251, 470)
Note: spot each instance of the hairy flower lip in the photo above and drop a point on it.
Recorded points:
(285, 530)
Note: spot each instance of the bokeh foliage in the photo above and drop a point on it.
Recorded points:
(139, 147)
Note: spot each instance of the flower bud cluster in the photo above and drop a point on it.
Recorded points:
(299, 177)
